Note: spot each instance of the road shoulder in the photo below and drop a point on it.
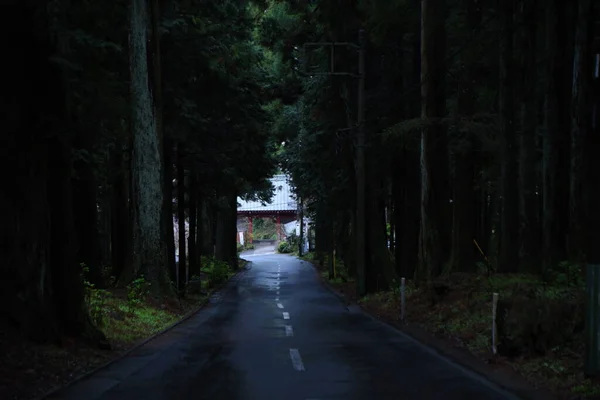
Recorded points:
(498, 374)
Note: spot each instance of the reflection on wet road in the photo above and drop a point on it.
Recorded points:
(276, 333)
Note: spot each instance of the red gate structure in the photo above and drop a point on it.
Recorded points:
(283, 207)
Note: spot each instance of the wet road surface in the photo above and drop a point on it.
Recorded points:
(275, 333)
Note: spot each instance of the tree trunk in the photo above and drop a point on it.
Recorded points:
(380, 269)
(320, 234)
(200, 231)
(66, 272)
(301, 212)
(528, 211)
(509, 209)
(463, 218)
(85, 204)
(592, 176)
(434, 147)
(555, 145)
(168, 213)
(182, 266)
(26, 292)
(207, 217)
(121, 229)
(225, 246)
(580, 128)
(193, 213)
(407, 256)
(150, 249)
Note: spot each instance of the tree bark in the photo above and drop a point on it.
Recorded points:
(193, 215)
(592, 175)
(85, 204)
(168, 212)
(581, 118)
(508, 260)
(121, 229)
(149, 248)
(434, 236)
(182, 266)
(529, 251)
(463, 219)
(225, 246)
(555, 144)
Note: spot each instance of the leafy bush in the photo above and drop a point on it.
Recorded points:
(293, 240)
(240, 248)
(216, 271)
(95, 299)
(249, 246)
(284, 247)
(137, 291)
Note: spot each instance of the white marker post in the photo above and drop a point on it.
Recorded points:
(494, 333)
(402, 298)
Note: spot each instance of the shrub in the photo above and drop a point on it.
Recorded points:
(216, 272)
(137, 291)
(284, 247)
(293, 241)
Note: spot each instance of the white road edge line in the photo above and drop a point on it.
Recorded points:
(286, 315)
(289, 331)
(279, 305)
(296, 360)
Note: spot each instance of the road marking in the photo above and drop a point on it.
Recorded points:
(296, 360)
(286, 315)
(276, 298)
(277, 293)
(289, 331)
(279, 305)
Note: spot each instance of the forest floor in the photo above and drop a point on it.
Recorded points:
(29, 371)
(461, 319)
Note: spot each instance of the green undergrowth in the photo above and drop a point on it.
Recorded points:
(128, 315)
(540, 322)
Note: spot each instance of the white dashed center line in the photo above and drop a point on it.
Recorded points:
(296, 360)
(276, 298)
(279, 305)
(286, 315)
(289, 331)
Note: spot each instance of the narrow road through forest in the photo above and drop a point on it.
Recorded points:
(276, 333)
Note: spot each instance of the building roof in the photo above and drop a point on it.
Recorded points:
(282, 201)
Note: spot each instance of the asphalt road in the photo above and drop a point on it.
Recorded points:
(275, 333)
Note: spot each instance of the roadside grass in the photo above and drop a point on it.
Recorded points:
(125, 315)
(462, 317)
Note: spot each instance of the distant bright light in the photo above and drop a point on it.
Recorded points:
(282, 144)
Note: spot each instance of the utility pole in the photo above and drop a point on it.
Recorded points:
(361, 219)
